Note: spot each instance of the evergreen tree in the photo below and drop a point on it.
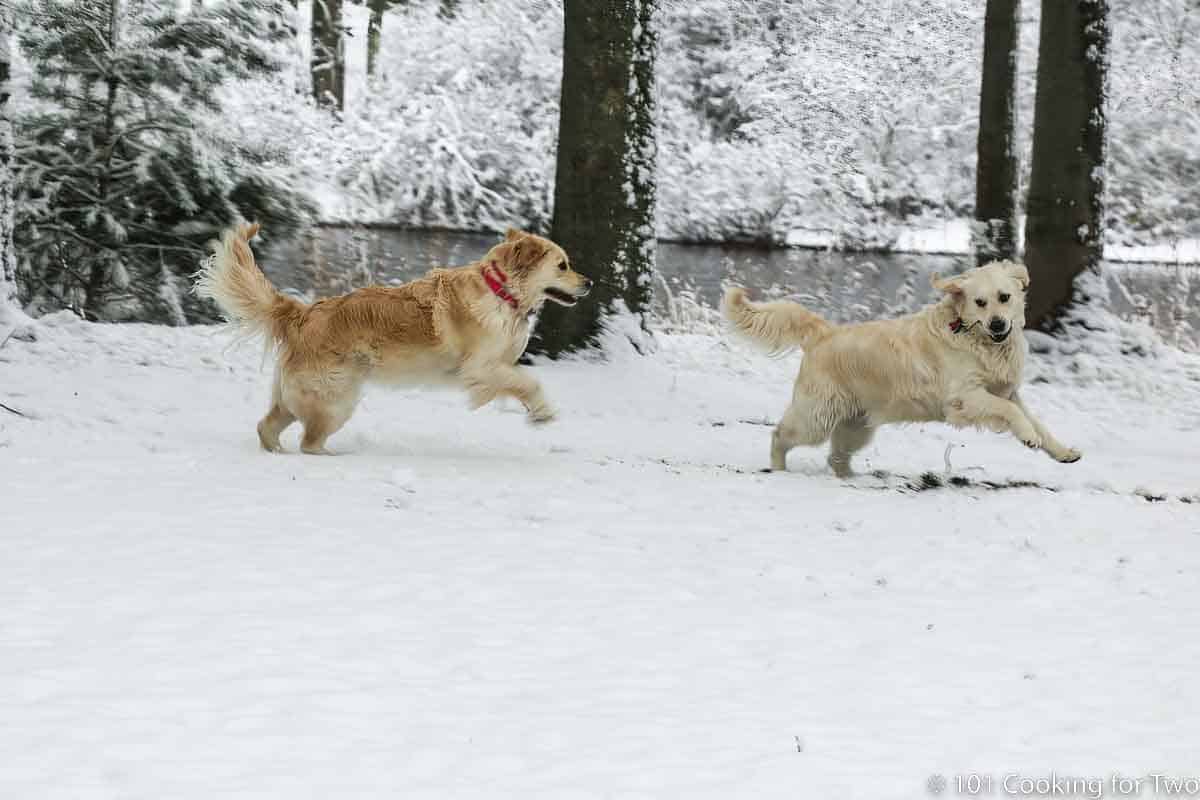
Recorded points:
(124, 171)
(604, 182)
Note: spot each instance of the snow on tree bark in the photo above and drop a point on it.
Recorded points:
(604, 185)
(997, 164)
(1065, 207)
(328, 54)
(8, 257)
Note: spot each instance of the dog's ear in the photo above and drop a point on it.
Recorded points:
(512, 234)
(951, 286)
(1021, 273)
(525, 251)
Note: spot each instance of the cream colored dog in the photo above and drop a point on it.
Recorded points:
(957, 361)
(465, 326)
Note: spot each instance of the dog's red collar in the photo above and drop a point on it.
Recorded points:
(495, 278)
(958, 326)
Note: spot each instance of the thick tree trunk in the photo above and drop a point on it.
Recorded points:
(1064, 227)
(8, 256)
(604, 183)
(997, 162)
(328, 63)
(374, 32)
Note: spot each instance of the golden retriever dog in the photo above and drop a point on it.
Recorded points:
(957, 361)
(464, 327)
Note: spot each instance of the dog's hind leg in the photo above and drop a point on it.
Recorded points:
(322, 421)
(806, 422)
(272, 425)
(275, 422)
(849, 436)
(322, 410)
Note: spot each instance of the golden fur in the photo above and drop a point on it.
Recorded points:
(917, 368)
(447, 327)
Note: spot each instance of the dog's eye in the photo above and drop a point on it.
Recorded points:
(979, 301)
(562, 266)
(1004, 297)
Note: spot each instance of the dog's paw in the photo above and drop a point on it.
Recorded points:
(541, 416)
(1068, 455)
(840, 466)
(479, 396)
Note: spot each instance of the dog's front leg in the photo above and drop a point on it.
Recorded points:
(980, 408)
(484, 384)
(1056, 449)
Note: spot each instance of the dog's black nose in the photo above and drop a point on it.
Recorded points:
(587, 283)
(996, 325)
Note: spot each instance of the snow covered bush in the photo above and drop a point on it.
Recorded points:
(1154, 114)
(852, 119)
(124, 166)
(771, 117)
(458, 130)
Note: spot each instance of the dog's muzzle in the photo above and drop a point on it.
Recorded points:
(569, 298)
(998, 329)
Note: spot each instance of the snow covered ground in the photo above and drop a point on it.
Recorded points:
(954, 237)
(618, 605)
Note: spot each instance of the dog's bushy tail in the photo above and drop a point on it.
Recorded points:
(230, 277)
(779, 325)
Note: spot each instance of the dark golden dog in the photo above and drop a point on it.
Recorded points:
(465, 326)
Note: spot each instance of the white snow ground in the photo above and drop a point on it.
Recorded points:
(618, 605)
(953, 237)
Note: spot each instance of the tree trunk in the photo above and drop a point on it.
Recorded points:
(374, 32)
(328, 62)
(1064, 232)
(8, 257)
(604, 182)
(997, 163)
(99, 273)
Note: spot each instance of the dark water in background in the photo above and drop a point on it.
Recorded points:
(842, 286)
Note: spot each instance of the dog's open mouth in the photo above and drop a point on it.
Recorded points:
(563, 298)
(1000, 337)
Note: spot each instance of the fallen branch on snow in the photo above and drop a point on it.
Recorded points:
(12, 410)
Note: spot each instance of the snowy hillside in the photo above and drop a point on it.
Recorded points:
(619, 605)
